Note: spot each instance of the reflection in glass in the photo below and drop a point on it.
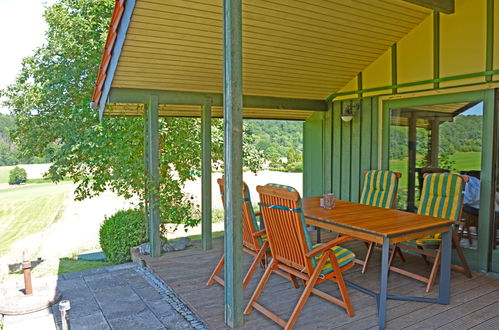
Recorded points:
(444, 138)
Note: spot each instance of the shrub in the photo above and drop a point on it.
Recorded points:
(120, 232)
(17, 175)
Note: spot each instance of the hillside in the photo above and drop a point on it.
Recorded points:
(277, 138)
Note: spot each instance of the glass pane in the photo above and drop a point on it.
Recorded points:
(438, 139)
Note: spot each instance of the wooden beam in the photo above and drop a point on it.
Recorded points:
(444, 6)
(153, 131)
(233, 127)
(436, 48)
(206, 237)
(132, 95)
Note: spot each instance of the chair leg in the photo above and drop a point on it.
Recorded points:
(466, 267)
(392, 256)
(399, 252)
(344, 293)
(434, 271)
(306, 293)
(216, 271)
(294, 281)
(259, 287)
(368, 255)
(424, 256)
(260, 255)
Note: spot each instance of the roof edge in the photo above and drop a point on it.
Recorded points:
(118, 28)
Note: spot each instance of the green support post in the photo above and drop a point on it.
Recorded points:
(146, 165)
(153, 158)
(411, 180)
(206, 237)
(233, 125)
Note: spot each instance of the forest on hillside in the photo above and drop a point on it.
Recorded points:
(463, 134)
(276, 139)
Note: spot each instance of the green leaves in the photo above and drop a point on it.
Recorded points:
(50, 101)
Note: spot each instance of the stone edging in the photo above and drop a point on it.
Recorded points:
(176, 302)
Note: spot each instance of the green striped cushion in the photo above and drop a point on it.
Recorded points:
(344, 256)
(289, 188)
(379, 189)
(442, 196)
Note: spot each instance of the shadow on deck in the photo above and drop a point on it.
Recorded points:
(474, 302)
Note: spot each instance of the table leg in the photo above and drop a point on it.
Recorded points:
(445, 268)
(383, 290)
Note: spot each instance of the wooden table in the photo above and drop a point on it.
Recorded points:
(384, 226)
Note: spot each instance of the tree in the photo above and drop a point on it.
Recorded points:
(50, 101)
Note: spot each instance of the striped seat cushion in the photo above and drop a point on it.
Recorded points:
(441, 197)
(344, 256)
(433, 239)
(379, 188)
(289, 188)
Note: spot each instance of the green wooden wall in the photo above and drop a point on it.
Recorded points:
(336, 153)
(313, 163)
(354, 147)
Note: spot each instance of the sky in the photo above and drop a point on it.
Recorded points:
(22, 29)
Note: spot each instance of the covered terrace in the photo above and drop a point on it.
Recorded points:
(270, 59)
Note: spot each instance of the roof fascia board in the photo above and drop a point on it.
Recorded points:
(444, 6)
(115, 55)
(132, 95)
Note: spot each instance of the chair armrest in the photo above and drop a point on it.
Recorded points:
(258, 214)
(259, 233)
(328, 245)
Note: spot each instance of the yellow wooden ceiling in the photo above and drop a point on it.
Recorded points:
(292, 48)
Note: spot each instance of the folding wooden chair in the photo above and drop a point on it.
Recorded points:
(379, 189)
(254, 241)
(293, 253)
(442, 197)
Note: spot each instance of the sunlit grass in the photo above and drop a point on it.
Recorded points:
(29, 209)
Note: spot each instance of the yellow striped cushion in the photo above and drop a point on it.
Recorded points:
(344, 256)
(433, 239)
(379, 188)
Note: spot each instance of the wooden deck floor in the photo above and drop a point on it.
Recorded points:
(474, 302)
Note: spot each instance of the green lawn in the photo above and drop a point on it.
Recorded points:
(463, 161)
(29, 209)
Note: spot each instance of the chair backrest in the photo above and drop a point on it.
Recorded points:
(442, 195)
(380, 188)
(285, 225)
(250, 224)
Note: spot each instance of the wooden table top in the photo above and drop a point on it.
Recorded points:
(370, 222)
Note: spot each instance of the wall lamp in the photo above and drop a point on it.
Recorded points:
(350, 110)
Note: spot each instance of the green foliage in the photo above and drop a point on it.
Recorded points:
(120, 232)
(277, 139)
(17, 175)
(295, 167)
(50, 101)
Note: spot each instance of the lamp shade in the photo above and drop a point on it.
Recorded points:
(347, 117)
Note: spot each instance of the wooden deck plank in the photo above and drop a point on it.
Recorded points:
(186, 272)
(470, 314)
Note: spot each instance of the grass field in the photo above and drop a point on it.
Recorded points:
(463, 161)
(29, 209)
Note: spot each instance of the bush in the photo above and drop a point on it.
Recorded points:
(17, 175)
(120, 232)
